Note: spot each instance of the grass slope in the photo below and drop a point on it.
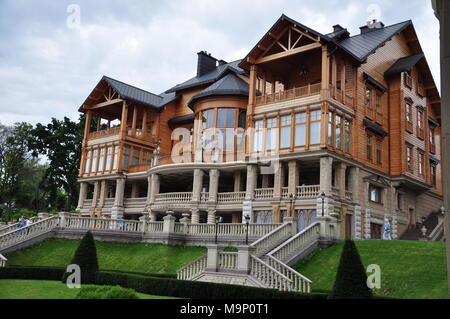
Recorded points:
(409, 269)
(135, 257)
(44, 289)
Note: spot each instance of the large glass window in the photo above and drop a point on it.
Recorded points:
(408, 113)
(116, 157)
(108, 158)
(375, 194)
(300, 129)
(338, 132)
(368, 97)
(314, 136)
(88, 162)
(259, 127)
(100, 159)
(378, 106)
(126, 157)
(208, 118)
(421, 161)
(285, 132)
(347, 128)
(242, 118)
(271, 135)
(330, 128)
(433, 174)
(94, 161)
(379, 145)
(409, 151)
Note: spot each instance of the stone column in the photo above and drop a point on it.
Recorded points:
(214, 175)
(134, 190)
(278, 180)
(118, 209)
(237, 181)
(367, 232)
(211, 216)
(244, 254)
(251, 181)
(154, 188)
(83, 194)
(195, 216)
(95, 196)
(354, 184)
(294, 178)
(149, 190)
(341, 168)
(103, 194)
(197, 185)
(326, 170)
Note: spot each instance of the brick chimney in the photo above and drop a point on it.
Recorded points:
(205, 63)
(371, 26)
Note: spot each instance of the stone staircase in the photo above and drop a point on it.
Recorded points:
(434, 230)
(265, 263)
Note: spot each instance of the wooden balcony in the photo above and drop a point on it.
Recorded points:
(104, 133)
(292, 94)
(341, 96)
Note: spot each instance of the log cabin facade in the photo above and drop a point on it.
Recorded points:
(306, 124)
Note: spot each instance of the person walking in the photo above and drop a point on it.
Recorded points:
(387, 230)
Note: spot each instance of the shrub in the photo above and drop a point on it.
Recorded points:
(86, 257)
(106, 292)
(37, 273)
(351, 278)
(194, 289)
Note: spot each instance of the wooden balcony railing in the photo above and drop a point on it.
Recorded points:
(104, 133)
(341, 96)
(308, 90)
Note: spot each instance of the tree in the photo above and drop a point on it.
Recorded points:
(86, 258)
(351, 278)
(14, 159)
(61, 143)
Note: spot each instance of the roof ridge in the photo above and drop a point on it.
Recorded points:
(385, 27)
(135, 87)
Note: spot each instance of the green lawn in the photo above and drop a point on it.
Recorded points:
(44, 289)
(409, 269)
(136, 257)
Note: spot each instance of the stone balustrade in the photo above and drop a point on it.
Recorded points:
(268, 275)
(191, 270)
(309, 191)
(231, 197)
(228, 260)
(3, 261)
(173, 197)
(294, 245)
(263, 193)
(272, 239)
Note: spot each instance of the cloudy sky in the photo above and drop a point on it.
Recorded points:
(49, 63)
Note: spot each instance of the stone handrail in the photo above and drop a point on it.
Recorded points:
(228, 260)
(264, 193)
(3, 261)
(179, 228)
(230, 229)
(193, 269)
(294, 244)
(14, 226)
(174, 197)
(204, 196)
(231, 197)
(24, 233)
(285, 192)
(101, 224)
(272, 239)
(268, 275)
(154, 227)
(299, 282)
(308, 191)
(437, 231)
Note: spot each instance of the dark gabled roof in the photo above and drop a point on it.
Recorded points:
(280, 20)
(182, 119)
(129, 92)
(403, 65)
(134, 94)
(210, 77)
(230, 84)
(362, 45)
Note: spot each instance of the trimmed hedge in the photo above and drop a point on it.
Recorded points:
(37, 273)
(86, 257)
(106, 292)
(194, 289)
(351, 277)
